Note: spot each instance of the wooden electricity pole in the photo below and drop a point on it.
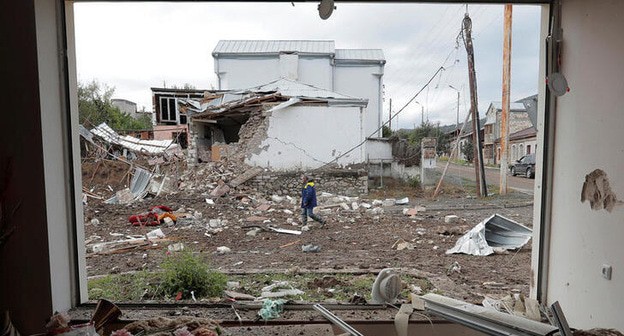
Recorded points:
(474, 110)
(506, 90)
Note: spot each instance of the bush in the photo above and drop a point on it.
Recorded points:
(414, 182)
(185, 272)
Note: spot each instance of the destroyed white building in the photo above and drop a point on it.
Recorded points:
(241, 64)
(283, 125)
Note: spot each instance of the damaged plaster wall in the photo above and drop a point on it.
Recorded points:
(589, 122)
(305, 137)
(597, 191)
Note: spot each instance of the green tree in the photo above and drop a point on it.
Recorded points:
(468, 150)
(429, 130)
(95, 107)
(386, 132)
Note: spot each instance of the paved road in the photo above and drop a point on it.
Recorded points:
(492, 177)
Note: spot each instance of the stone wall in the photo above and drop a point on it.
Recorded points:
(338, 182)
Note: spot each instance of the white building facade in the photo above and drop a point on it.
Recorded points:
(241, 64)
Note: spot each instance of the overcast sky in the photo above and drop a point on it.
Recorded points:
(138, 45)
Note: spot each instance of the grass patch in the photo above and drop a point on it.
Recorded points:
(147, 286)
(125, 287)
(186, 272)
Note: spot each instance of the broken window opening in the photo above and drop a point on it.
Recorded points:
(230, 130)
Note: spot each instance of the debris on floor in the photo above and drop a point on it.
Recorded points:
(386, 287)
(271, 309)
(493, 232)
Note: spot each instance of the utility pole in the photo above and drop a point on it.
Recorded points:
(506, 91)
(422, 113)
(476, 138)
(390, 116)
(457, 122)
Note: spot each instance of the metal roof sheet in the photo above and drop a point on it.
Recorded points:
(360, 54)
(273, 46)
(151, 146)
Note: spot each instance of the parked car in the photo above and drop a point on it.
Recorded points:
(525, 166)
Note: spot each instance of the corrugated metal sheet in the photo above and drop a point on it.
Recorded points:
(151, 146)
(273, 46)
(495, 231)
(360, 54)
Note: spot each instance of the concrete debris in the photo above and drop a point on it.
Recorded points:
(267, 292)
(277, 199)
(388, 202)
(95, 222)
(402, 201)
(239, 296)
(365, 205)
(282, 293)
(155, 234)
(288, 212)
(451, 219)
(344, 206)
(310, 248)
(168, 221)
(175, 247)
(377, 203)
(220, 190)
(403, 245)
(355, 206)
(410, 212)
(253, 232)
(223, 250)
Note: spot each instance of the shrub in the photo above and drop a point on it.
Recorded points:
(414, 182)
(185, 272)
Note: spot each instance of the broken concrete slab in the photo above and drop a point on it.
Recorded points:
(451, 219)
(238, 296)
(244, 177)
(282, 293)
(220, 190)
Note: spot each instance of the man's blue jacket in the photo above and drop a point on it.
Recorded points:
(308, 196)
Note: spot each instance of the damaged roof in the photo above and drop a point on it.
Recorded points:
(273, 47)
(292, 88)
(277, 90)
(109, 135)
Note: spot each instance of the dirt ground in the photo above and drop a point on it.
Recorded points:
(360, 239)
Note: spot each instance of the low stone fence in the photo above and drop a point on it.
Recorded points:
(338, 182)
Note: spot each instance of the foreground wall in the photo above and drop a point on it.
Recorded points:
(588, 135)
(305, 137)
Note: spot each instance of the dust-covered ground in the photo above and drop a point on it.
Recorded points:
(363, 237)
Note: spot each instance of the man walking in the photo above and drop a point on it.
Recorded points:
(308, 201)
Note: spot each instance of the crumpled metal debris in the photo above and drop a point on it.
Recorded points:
(493, 232)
